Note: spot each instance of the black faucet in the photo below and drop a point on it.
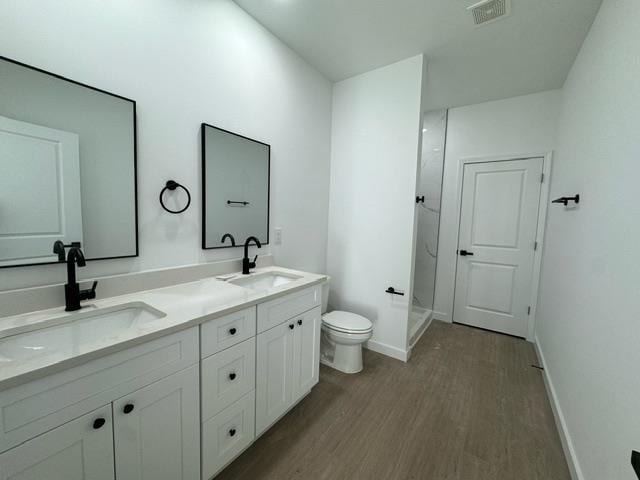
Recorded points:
(246, 264)
(72, 293)
(230, 237)
(59, 246)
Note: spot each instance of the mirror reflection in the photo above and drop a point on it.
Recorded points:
(67, 168)
(235, 170)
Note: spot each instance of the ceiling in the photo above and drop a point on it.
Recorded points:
(529, 51)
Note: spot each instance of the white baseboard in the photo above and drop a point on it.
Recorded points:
(443, 317)
(387, 350)
(561, 424)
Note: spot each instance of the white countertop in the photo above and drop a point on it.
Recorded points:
(185, 305)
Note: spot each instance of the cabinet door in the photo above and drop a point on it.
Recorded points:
(306, 352)
(157, 430)
(274, 352)
(79, 450)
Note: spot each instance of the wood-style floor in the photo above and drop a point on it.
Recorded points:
(467, 406)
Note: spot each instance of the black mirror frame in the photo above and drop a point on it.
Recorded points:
(135, 159)
(203, 154)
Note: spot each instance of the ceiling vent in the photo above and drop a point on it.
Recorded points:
(488, 11)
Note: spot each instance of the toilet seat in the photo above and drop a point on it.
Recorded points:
(346, 322)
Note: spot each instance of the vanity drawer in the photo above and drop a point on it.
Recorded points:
(227, 434)
(38, 406)
(224, 332)
(281, 309)
(227, 376)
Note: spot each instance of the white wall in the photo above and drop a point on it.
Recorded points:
(374, 161)
(187, 62)
(519, 125)
(588, 325)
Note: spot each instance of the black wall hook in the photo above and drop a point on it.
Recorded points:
(172, 185)
(565, 200)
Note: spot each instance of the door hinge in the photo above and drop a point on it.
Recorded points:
(528, 310)
(535, 246)
(542, 178)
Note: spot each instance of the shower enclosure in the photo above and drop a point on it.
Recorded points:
(428, 220)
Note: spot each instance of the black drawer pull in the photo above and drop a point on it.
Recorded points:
(300, 322)
(232, 331)
(98, 423)
(291, 326)
(232, 376)
(232, 432)
(128, 408)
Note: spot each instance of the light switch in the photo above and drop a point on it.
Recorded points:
(277, 233)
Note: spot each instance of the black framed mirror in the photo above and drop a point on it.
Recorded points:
(235, 188)
(68, 168)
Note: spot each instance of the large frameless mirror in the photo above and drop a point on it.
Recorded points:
(235, 172)
(67, 168)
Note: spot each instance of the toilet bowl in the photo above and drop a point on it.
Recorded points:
(343, 334)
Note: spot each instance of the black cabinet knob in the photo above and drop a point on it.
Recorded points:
(300, 322)
(98, 423)
(232, 331)
(232, 376)
(232, 432)
(128, 408)
(291, 326)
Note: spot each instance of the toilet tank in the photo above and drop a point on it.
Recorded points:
(325, 294)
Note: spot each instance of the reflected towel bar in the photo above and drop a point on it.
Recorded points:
(565, 200)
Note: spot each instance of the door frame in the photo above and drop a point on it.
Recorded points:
(547, 161)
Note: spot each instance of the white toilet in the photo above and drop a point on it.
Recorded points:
(343, 334)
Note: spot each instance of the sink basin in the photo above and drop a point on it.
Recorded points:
(77, 333)
(264, 281)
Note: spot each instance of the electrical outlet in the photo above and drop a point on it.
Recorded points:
(635, 462)
(277, 234)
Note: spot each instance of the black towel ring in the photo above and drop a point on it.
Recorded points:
(172, 185)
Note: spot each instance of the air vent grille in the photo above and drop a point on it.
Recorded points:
(489, 11)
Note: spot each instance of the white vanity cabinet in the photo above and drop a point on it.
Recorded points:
(249, 381)
(177, 407)
(133, 414)
(78, 450)
(288, 354)
(157, 430)
(227, 371)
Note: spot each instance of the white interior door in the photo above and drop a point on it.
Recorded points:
(39, 191)
(498, 224)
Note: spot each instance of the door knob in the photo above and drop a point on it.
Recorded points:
(232, 331)
(291, 326)
(232, 432)
(98, 423)
(128, 408)
(464, 253)
(300, 322)
(232, 376)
